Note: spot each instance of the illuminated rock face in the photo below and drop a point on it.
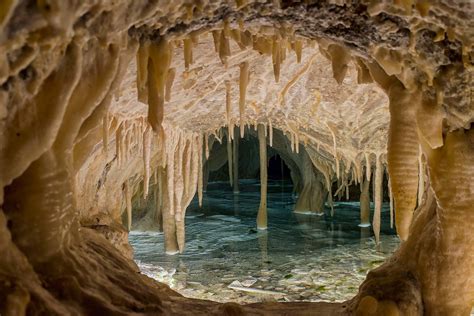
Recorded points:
(98, 101)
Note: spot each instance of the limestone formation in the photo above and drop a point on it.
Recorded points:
(97, 96)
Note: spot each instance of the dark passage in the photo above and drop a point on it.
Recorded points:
(277, 169)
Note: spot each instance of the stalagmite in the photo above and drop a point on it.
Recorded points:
(243, 82)
(235, 160)
(378, 196)
(364, 203)
(158, 66)
(262, 210)
(146, 161)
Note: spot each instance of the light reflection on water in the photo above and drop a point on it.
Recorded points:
(299, 257)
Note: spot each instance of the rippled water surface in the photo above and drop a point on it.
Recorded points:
(299, 257)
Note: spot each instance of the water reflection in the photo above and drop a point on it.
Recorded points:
(305, 257)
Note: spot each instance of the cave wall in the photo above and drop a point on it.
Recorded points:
(98, 97)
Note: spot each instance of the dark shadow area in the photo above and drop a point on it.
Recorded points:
(277, 169)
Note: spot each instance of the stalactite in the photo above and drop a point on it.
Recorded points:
(186, 163)
(158, 66)
(228, 102)
(128, 201)
(378, 195)
(224, 47)
(105, 132)
(421, 179)
(142, 72)
(169, 224)
(231, 130)
(283, 45)
(188, 52)
(235, 160)
(340, 59)
(206, 145)
(270, 132)
(184, 169)
(403, 153)
(118, 140)
(364, 203)
(276, 58)
(229, 161)
(336, 158)
(216, 39)
(128, 140)
(169, 83)
(292, 142)
(368, 168)
(178, 175)
(243, 82)
(298, 50)
(159, 198)
(363, 73)
(359, 170)
(262, 210)
(390, 195)
(297, 142)
(200, 167)
(170, 153)
(146, 160)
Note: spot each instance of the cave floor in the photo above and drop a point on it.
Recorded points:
(299, 258)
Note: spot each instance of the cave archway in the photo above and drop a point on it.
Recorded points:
(76, 143)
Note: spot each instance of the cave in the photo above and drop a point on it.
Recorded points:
(308, 251)
(120, 117)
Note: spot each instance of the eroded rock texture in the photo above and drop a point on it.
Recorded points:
(102, 102)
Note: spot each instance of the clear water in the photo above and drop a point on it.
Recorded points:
(299, 257)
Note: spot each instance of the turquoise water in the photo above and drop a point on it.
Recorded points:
(299, 257)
